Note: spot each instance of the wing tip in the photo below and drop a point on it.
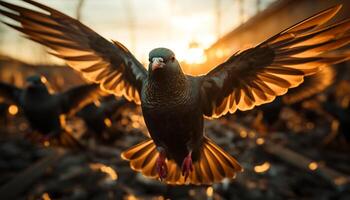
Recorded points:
(337, 7)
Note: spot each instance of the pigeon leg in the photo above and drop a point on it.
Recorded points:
(187, 166)
(162, 168)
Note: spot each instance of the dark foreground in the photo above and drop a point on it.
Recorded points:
(305, 163)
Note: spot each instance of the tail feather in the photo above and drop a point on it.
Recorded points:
(149, 167)
(213, 165)
(205, 167)
(225, 158)
(143, 158)
(144, 153)
(137, 150)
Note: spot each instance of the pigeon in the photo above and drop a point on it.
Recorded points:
(175, 104)
(341, 115)
(44, 110)
(311, 86)
(95, 116)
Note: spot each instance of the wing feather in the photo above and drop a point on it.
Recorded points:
(257, 75)
(82, 48)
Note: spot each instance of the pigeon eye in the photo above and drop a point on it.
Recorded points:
(172, 58)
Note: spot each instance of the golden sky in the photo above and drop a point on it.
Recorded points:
(142, 25)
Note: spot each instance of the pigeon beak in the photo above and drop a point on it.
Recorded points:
(157, 63)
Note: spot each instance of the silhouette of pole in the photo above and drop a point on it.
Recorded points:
(131, 23)
(218, 18)
(79, 9)
(241, 10)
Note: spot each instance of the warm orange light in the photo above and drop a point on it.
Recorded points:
(112, 174)
(260, 141)
(43, 79)
(262, 168)
(243, 134)
(210, 191)
(137, 121)
(108, 122)
(46, 143)
(195, 56)
(251, 134)
(219, 53)
(135, 117)
(313, 166)
(131, 197)
(46, 196)
(97, 103)
(135, 125)
(13, 109)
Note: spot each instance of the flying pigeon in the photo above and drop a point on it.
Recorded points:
(43, 109)
(174, 104)
(312, 85)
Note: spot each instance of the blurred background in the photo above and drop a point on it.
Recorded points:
(294, 148)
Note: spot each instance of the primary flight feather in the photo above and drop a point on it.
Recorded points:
(174, 104)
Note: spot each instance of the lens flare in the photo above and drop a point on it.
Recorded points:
(262, 168)
(13, 109)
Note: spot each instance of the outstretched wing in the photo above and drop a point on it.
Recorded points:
(9, 93)
(99, 60)
(257, 75)
(312, 85)
(76, 98)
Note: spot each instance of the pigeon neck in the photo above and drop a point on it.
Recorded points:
(167, 88)
(168, 81)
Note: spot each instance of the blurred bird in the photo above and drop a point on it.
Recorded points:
(97, 117)
(312, 85)
(44, 110)
(343, 118)
(174, 104)
(337, 106)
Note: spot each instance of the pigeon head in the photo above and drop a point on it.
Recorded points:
(36, 81)
(163, 62)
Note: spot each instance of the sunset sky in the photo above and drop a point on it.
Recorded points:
(142, 25)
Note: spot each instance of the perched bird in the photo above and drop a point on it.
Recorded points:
(43, 109)
(174, 104)
(96, 118)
